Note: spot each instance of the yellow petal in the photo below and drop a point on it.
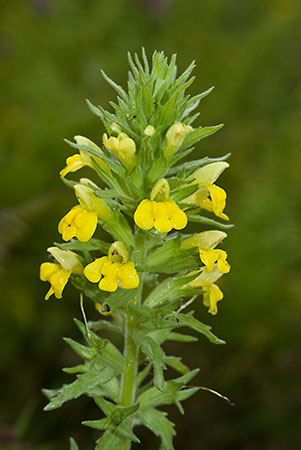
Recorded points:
(87, 225)
(73, 163)
(222, 263)
(93, 270)
(49, 293)
(128, 277)
(211, 297)
(69, 232)
(108, 283)
(59, 280)
(218, 199)
(143, 216)
(47, 270)
(68, 218)
(162, 212)
(208, 257)
(178, 217)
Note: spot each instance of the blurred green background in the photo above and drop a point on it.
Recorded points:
(50, 55)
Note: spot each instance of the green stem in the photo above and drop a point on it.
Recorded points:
(131, 350)
(128, 384)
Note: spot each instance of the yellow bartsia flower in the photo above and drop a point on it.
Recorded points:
(58, 274)
(83, 158)
(114, 270)
(160, 212)
(174, 138)
(209, 255)
(123, 147)
(206, 281)
(81, 220)
(209, 196)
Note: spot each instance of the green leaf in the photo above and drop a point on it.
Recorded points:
(157, 422)
(198, 134)
(172, 392)
(115, 86)
(91, 245)
(163, 335)
(73, 444)
(84, 384)
(193, 165)
(201, 219)
(176, 364)
(156, 356)
(181, 192)
(84, 352)
(196, 325)
(110, 441)
(169, 289)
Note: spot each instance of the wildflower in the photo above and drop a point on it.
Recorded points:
(113, 270)
(213, 294)
(209, 196)
(83, 158)
(81, 220)
(206, 243)
(174, 138)
(160, 212)
(59, 274)
(123, 147)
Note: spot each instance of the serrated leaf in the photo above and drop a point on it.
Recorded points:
(171, 393)
(110, 440)
(200, 133)
(169, 289)
(84, 352)
(157, 422)
(196, 325)
(156, 356)
(83, 385)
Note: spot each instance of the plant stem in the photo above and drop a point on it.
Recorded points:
(128, 384)
(131, 350)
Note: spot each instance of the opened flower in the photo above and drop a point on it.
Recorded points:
(113, 270)
(209, 196)
(160, 212)
(58, 273)
(81, 220)
(206, 243)
(123, 147)
(83, 158)
(213, 294)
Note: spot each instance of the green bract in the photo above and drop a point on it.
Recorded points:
(143, 279)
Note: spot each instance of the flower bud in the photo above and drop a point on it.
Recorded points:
(89, 201)
(174, 138)
(67, 259)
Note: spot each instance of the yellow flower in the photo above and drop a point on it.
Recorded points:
(174, 138)
(83, 158)
(123, 147)
(213, 294)
(114, 270)
(58, 274)
(209, 196)
(206, 243)
(81, 220)
(163, 214)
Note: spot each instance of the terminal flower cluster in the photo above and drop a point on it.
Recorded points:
(144, 235)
